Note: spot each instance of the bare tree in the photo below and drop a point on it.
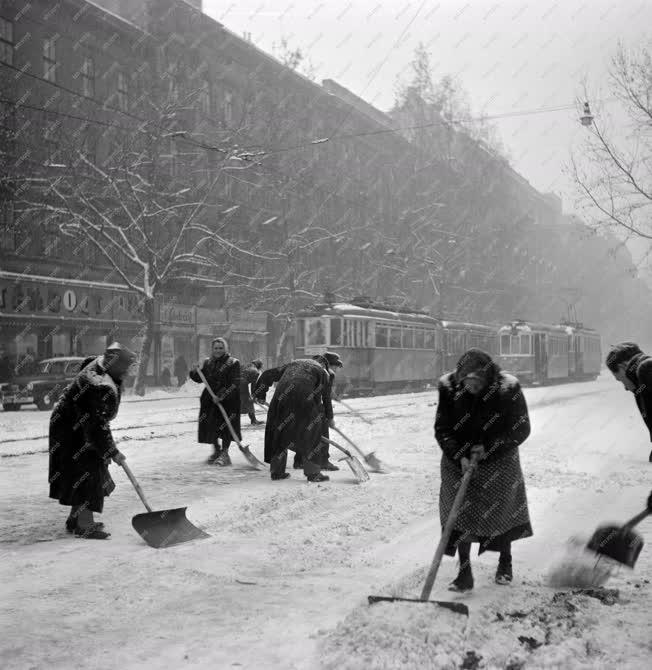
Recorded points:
(613, 170)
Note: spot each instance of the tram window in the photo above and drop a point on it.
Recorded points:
(420, 338)
(336, 332)
(430, 342)
(395, 338)
(382, 336)
(408, 338)
(526, 345)
(316, 334)
(301, 335)
(504, 345)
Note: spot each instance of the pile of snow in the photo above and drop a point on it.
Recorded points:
(578, 567)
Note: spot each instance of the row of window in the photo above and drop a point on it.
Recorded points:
(87, 75)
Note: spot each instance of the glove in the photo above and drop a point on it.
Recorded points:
(479, 450)
(465, 463)
(119, 458)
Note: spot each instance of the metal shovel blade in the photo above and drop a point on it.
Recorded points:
(252, 460)
(375, 463)
(357, 468)
(621, 545)
(166, 528)
(458, 608)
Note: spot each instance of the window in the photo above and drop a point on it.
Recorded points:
(505, 349)
(420, 338)
(316, 332)
(430, 339)
(6, 41)
(205, 99)
(395, 338)
(382, 336)
(336, 332)
(123, 92)
(301, 340)
(7, 231)
(227, 109)
(526, 345)
(88, 78)
(408, 338)
(73, 368)
(50, 59)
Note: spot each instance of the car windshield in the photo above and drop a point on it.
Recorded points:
(43, 367)
(52, 367)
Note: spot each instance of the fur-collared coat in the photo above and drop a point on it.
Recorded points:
(639, 371)
(495, 508)
(80, 440)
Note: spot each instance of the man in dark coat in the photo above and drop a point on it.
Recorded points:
(482, 410)
(249, 377)
(222, 373)
(296, 414)
(630, 366)
(334, 361)
(81, 444)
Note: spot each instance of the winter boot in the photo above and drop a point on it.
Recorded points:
(214, 456)
(91, 533)
(331, 467)
(71, 524)
(278, 476)
(298, 462)
(504, 571)
(223, 459)
(463, 581)
(317, 477)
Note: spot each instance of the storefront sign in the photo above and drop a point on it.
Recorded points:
(31, 297)
(177, 315)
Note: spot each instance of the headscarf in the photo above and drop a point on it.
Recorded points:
(621, 353)
(223, 341)
(476, 363)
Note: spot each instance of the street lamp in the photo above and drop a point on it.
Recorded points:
(587, 118)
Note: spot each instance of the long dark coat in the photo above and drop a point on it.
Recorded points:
(639, 371)
(297, 409)
(249, 376)
(495, 507)
(80, 441)
(223, 376)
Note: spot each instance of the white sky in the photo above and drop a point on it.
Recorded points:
(511, 56)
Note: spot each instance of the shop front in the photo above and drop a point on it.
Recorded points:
(42, 317)
(177, 341)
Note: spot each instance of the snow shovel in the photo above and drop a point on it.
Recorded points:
(620, 543)
(370, 459)
(163, 528)
(244, 448)
(356, 467)
(459, 608)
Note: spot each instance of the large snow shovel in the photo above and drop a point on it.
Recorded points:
(244, 448)
(356, 467)
(620, 543)
(460, 608)
(163, 528)
(370, 459)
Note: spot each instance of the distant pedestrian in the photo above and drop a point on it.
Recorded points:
(633, 369)
(249, 377)
(166, 377)
(180, 370)
(222, 372)
(81, 444)
(482, 411)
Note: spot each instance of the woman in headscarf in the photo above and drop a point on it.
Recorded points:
(222, 373)
(482, 411)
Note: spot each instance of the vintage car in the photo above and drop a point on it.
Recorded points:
(42, 388)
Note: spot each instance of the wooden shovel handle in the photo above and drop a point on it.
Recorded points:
(136, 485)
(351, 442)
(637, 519)
(335, 444)
(448, 529)
(219, 404)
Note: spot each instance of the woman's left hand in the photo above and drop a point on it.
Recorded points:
(331, 423)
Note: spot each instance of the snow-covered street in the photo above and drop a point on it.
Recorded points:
(283, 579)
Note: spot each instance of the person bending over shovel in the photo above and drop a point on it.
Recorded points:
(222, 373)
(295, 415)
(633, 369)
(482, 411)
(81, 444)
